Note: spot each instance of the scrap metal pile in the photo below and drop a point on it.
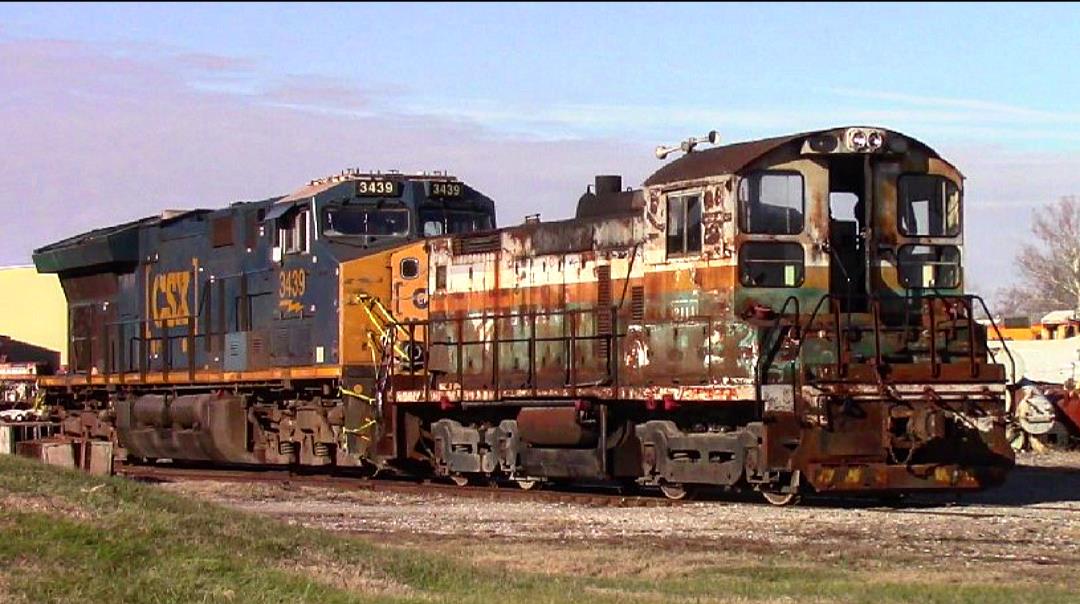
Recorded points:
(1044, 364)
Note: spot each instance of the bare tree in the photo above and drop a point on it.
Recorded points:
(1048, 265)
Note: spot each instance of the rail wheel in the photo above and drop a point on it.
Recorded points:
(460, 480)
(676, 491)
(781, 495)
(527, 485)
(780, 499)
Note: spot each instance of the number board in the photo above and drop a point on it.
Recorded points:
(378, 188)
(446, 189)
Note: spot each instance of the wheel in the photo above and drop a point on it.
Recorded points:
(675, 491)
(1018, 439)
(460, 479)
(780, 499)
(527, 485)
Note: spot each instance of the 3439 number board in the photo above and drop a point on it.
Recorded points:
(378, 188)
(446, 189)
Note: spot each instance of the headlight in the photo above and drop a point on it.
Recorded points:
(875, 140)
(858, 139)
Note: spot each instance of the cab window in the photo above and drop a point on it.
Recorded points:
(929, 206)
(683, 224)
(358, 220)
(771, 203)
(436, 221)
(293, 232)
(771, 264)
(929, 266)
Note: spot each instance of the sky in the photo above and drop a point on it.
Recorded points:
(113, 112)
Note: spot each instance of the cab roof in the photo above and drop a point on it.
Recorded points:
(733, 158)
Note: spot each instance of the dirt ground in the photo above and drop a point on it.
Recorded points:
(1027, 529)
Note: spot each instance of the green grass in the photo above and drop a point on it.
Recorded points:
(65, 536)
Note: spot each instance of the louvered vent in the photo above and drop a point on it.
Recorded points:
(475, 244)
(637, 303)
(603, 306)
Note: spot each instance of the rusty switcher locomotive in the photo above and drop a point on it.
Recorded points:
(783, 315)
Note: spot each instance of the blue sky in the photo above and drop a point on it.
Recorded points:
(526, 99)
(984, 72)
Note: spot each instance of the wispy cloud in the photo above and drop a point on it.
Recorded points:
(983, 107)
(967, 119)
(127, 132)
(214, 63)
(122, 137)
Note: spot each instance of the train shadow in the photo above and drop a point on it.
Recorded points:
(1025, 485)
(1029, 485)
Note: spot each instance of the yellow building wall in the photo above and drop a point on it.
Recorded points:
(33, 308)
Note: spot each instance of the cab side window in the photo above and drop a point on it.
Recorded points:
(683, 224)
(772, 203)
(293, 232)
(771, 264)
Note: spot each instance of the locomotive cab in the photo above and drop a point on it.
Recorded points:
(846, 245)
(361, 211)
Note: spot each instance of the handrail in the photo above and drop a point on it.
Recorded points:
(570, 339)
(1001, 338)
(454, 339)
(927, 303)
(875, 310)
(766, 360)
(970, 307)
(935, 370)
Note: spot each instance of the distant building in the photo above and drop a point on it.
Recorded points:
(33, 309)
(1059, 325)
(1056, 325)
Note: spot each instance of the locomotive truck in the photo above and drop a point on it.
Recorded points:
(784, 315)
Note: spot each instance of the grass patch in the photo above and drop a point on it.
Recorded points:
(66, 536)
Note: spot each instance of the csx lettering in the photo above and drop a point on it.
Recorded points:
(169, 298)
(292, 283)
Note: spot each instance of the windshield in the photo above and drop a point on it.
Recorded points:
(366, 221)
(437, 221)
(929, 266)
(929, 206)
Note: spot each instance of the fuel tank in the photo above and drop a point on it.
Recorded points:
(201, 427)
(556, 427)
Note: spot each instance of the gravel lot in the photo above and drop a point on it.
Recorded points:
(1028, 529)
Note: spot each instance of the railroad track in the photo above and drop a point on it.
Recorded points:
(608, 498)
